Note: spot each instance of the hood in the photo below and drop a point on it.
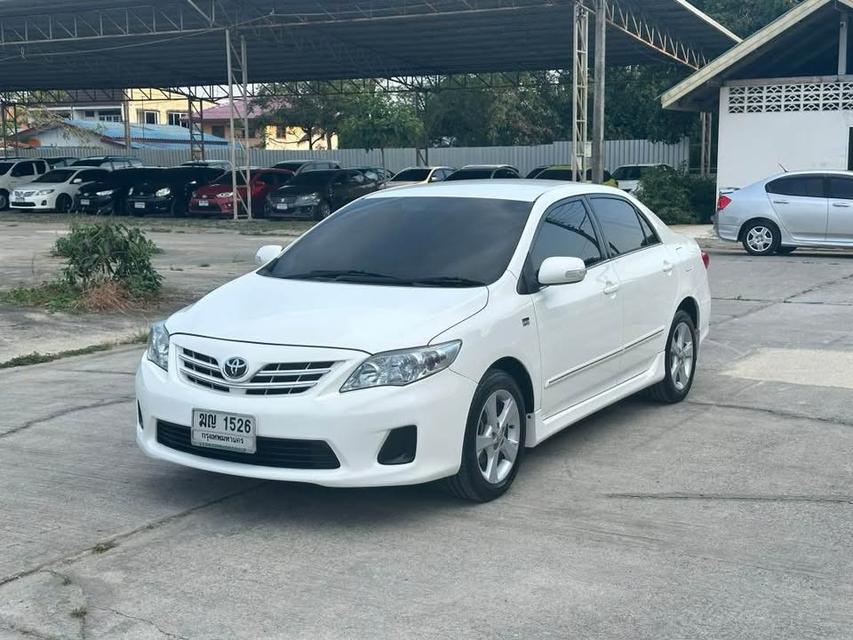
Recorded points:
(210, 190)
(37, 186)
(300, 190)
(368, 318)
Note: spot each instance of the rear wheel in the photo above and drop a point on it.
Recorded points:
(682, 349)
(63, 203)
(761, 238)
(4, 200)
(494, 440)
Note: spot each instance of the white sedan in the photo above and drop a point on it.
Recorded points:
(428, 333)
(419, 175)
(55, 190)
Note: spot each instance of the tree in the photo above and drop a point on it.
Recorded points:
(745, 17)
(316, 109)
(380, 121)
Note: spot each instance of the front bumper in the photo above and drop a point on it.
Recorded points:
(273, 209)
(33, 203)
(211, 206)
(354, 425)
(94, 204)
(152, 204)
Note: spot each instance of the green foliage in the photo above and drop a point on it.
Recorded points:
(315, 108)
(53, 296)
(379, 121)
(109, 251)
(745, 17)
(677, 197)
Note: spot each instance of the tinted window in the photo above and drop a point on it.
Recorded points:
(505, 173)
(57, 176)
(555, 174)
(620, 225)
(841, 188)
(804, 186)
(471, 174)
(627, 173)
(411, 175)
(411, 239)
(24, 169)
(651, 237)
(312, 178)
(567, 231)
(92, 174)
(5, 166)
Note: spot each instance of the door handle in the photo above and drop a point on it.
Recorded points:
(611, 287)
(781, 202)
(667, 266)
(841, 205)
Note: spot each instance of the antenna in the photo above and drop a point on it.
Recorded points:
(782, 167)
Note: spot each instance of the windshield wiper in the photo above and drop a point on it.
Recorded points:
(447, 281)
(349, 275)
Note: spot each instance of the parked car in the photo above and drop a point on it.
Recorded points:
(484, 172)
(377, 174)
(556, 172)
(108, 162)
(217, 198)
(790, 210)
(55, 190)
(628, 176)
(420, 175)
(427, 333)
(168, 190)
(109, 194)
(222, 165)
(15, 172)
(57, 162)
(301, 166)
(534, 173)
(316, 194)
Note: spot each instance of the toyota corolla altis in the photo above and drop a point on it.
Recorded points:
(428, 333)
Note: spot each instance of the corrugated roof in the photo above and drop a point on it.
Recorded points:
(801, 43)
(148, 136)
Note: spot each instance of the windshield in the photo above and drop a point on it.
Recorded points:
(471, 174)
(5, 166)
(56, 176)
(411, 175)
(292, 166)
(311, 178)
(88, 163)
(407, 241)
(555, 174)
(627, 173)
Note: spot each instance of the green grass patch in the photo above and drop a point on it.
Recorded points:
(53, 296)
(40, 358)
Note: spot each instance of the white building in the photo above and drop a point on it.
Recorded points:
(784, 96)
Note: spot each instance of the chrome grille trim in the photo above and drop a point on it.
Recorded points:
(278, 378)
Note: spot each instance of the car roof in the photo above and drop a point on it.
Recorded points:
(523, 190)
(487, 166)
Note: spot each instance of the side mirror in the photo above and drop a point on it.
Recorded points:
(267, 253)
(559, 270)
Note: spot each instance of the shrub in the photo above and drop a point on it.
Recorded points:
(109, 252)
(677, 197)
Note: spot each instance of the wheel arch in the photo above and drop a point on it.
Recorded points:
(748, 223)
(690, 306)
(521, 375)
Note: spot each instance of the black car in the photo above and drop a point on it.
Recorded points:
(168, 190)
(108, 162)
(109, 195)
(316, 194)
(301, 166)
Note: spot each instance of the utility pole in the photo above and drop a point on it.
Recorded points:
(598, 91)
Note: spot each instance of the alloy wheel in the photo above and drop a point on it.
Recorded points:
(681, 354)
(498, 436)
(759, 238)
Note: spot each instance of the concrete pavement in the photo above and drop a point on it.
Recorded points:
(728, 516)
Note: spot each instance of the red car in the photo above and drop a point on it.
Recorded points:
(217, 198)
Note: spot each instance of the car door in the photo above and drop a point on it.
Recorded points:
(645, 268)
(801, 205)
(839, 228)
(579, 325)
(22, 173)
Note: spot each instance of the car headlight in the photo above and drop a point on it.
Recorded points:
(158, 345)
(310, 199)
(106, 192)
(130, 191)
(399, 368)
(225, 194)
(162, 193)
(44, 192)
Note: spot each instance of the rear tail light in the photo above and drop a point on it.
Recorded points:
(723, 202)
(706, 259)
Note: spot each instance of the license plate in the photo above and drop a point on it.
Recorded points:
(203, 203)
(84, 202)
(139, 205)
(281, 206)
(218, 430)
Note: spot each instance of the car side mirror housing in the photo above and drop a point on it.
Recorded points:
(267, 253)
(560, 270)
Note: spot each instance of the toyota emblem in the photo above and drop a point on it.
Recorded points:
(235, 368)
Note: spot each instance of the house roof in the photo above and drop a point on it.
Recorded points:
(801, 43)
(223, 111)
(143, 136)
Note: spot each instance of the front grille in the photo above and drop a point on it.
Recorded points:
(283, 453)
(276, 379)
(23, 204)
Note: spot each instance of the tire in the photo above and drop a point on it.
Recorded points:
(487, 474)
(761, 238)
(784, 251)
(324, 210)
(678, 381)
(4, 200)
(63, 204)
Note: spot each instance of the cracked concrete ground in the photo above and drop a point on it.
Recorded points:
(728, 516)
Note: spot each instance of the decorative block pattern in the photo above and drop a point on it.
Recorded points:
(794, 97)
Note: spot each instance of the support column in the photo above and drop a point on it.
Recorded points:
(195, 122)
(706, 120)
(580, 91)
(236, 60)
(598, 91)
(5, 130)
(842, 44)
(247, 149)
(125, 116)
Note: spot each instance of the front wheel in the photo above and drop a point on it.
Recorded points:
(761, 238)
(4, 200)
(63, 204)
(323, 210)
(682, 348)
(494, 440)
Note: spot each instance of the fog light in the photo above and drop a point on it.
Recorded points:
(400, 446)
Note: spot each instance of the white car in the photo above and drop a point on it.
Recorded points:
(419, 175)
(628, 176)
(790, 210)
(55, 190)
(428, 333)
(15, 172)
